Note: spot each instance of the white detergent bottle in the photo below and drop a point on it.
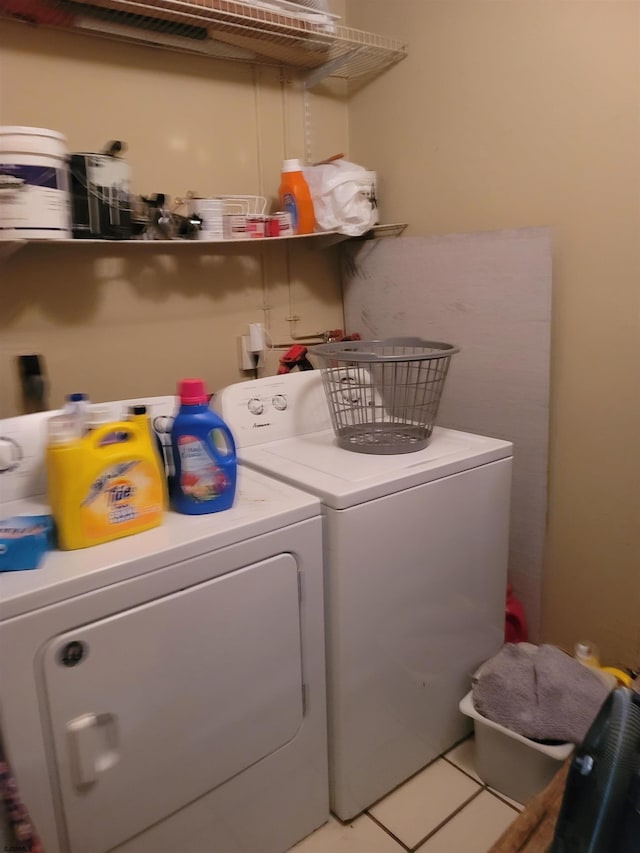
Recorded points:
(77, 407)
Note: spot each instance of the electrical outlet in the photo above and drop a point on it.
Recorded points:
(33, 382)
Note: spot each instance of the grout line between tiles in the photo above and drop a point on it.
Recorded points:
(421, 770)
(446, 821)
(503, 800)
(489, 790)
(400, 784)
(389, 833)
(424, 767)
(468, 775)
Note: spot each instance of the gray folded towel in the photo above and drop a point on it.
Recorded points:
(539, 692)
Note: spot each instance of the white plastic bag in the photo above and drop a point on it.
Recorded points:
(340, 191)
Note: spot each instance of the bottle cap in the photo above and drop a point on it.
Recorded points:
(61, 429)
(192, 392)
(77, 397)
(586, 652)
(292, 166)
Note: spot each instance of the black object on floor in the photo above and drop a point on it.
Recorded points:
(600, 810)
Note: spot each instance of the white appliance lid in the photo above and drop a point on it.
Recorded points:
(281, 425)
(262, 505)
(344, 478)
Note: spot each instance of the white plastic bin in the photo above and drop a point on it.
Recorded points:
(34, 184)
(512, 764)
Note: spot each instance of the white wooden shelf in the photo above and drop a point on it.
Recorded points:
(320, 240)
(296, 38)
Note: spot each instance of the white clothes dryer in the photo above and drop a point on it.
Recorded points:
(165, 692)
(415, 549)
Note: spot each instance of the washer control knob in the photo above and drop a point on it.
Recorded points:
(10, 454)
(255, 406)
(279, 402)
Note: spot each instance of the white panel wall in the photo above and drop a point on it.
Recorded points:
(489, 293)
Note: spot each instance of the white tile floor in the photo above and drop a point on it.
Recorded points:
(443, 809)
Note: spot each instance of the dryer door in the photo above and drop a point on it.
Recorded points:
(155, 706)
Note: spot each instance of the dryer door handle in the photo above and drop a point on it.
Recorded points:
(93, 746)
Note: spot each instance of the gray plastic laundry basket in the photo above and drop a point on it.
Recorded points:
(383, 396)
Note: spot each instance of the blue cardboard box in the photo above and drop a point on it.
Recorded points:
(24, 540)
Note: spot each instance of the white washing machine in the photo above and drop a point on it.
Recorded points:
(415, 549)
(165, 692)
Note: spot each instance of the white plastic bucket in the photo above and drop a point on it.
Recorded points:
(210, 210)
(34, 184)
(508, 762)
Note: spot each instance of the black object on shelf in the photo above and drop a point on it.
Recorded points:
(100, 200)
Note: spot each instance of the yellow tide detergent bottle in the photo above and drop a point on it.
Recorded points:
(105, 484)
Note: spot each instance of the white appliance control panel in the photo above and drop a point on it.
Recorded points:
(276, 407)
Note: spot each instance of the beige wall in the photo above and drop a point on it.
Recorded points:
(504, 115)
(527, 113)
(127, 320)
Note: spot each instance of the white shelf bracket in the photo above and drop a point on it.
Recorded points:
(329, 68)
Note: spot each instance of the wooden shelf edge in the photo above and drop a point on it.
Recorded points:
(10, 247)
(320, 239)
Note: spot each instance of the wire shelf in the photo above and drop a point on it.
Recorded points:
(306, 40)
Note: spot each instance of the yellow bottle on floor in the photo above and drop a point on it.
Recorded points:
(104, 485)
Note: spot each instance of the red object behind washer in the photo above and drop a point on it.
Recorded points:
(515, 627)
